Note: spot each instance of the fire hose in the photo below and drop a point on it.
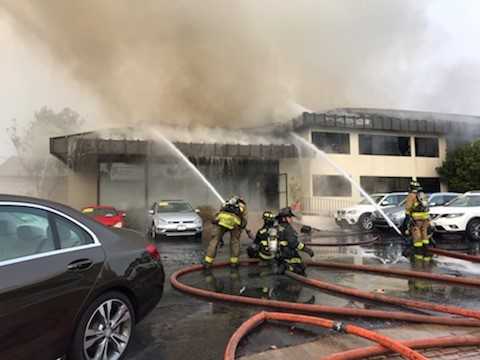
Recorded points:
(455, 254)
(368, 351)
(398, 272)
(261, 317)
(351, 243)
(311, 308)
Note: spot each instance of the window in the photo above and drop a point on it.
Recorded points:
(384, 145)
(24, 231)
(427, 147)
(440, 200)
(393, 200)
(384, 184)
(70, 234)
(466, 201)
(169, 207)
(333, 143)
(430, 185)
(331, 185)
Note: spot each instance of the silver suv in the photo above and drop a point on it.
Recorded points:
(174, 218)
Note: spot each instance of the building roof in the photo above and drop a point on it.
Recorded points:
(390, 120)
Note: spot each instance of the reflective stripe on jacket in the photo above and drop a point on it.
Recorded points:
(228, 220)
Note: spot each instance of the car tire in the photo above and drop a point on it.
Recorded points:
(198, 237)
(473, 230)
(365, 222)
(116, 334)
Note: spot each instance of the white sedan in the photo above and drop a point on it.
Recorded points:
(461, 215)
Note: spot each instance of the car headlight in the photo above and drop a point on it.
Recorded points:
(351, 212)
(118, 225)
(198, 221)
(451, 216)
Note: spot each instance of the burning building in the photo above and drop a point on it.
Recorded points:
(381, 149)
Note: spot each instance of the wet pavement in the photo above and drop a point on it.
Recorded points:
(185, 327)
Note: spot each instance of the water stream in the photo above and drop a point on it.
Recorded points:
(347, 176)
(189, 163)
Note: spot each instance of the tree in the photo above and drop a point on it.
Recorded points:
(32, 147)
(461, 169)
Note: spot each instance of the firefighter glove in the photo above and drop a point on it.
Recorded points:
(309, 251)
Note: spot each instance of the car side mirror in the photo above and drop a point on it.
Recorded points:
(433, 204)
(124, 214)
(151, 212)
(384, 203)
(197, 211)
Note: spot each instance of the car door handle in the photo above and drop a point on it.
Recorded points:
(79, 265)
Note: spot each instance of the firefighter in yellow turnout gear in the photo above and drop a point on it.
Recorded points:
(232, 218)
(416, 207)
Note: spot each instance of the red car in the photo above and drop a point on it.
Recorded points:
(106, 215)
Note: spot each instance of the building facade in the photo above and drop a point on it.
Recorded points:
(382, 150)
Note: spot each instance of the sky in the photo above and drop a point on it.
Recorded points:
(446, 76)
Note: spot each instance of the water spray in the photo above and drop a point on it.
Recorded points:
(189, 163)
(347, 176)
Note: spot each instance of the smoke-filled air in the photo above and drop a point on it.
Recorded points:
(234, 64)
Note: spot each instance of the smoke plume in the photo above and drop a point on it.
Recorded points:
(228, 64)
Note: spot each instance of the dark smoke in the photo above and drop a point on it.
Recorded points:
(227, 63)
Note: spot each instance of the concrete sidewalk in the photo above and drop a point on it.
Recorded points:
(336, 343)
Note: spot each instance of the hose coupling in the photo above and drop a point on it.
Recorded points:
(339, 326)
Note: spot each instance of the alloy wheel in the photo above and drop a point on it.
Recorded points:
(367, 223)
(108, 331)
(475, 231)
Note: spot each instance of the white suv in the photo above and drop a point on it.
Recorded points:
(461, 215)
(361, 214)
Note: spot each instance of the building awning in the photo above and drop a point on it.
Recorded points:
(71, 148)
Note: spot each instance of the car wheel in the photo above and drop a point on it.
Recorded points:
(473, 230)
(198, 236)
(105, 329)
(365, 222)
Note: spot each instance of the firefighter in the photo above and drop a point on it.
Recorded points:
(416, 208)
(265, 244)
(289, 245)
(231, 218)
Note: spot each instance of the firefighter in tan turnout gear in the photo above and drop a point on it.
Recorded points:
(417, 209)
(232, 218)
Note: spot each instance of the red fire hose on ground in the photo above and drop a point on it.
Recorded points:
(398, 272)
(310, 308)
(455, 254)
(384, 298)
(261, 317)
(447, 341)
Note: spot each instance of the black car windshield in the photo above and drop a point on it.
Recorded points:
(465, 201)
(375, 198)
(168, 207)
(100, 212)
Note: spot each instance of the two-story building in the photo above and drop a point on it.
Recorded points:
(382, 150)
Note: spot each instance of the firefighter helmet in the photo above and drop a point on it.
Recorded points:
(268, 217)
(415, 186)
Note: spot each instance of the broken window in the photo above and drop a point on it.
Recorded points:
(384, 145)
(331, 142)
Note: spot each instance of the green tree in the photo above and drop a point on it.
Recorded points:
(33, 150)
(461, 169)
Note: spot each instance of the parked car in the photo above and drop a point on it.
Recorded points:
(106, 215)
(461, 215)
(68, 285)
(361, 214)
(174, 218)
(397, 213)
